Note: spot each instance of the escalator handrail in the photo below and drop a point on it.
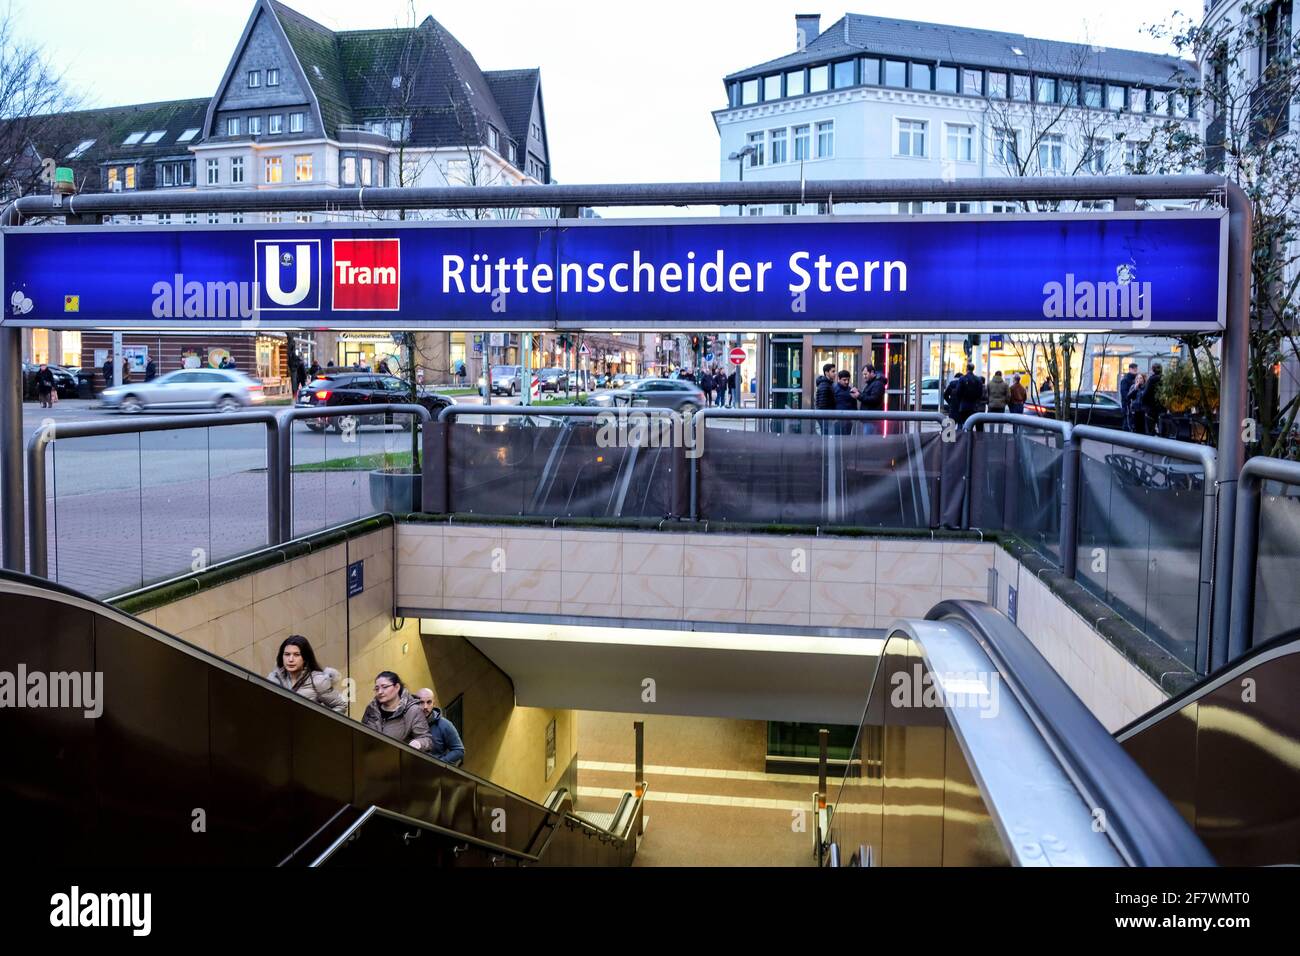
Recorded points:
(377, 811)
(1143, 825)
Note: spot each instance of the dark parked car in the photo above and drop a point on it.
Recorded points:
(679, 395)
(65, 381)
(363, 388)
(1091, 408)
(553, 380)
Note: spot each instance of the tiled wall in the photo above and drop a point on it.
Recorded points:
(747, 579)
(1112, 688)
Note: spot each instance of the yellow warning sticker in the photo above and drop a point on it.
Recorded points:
(72, 303)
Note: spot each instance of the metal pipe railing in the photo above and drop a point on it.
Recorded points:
(1213, 581)
(1245, 550)
(1068, 539)
(276, 467)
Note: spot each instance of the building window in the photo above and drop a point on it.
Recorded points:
(410, 172)
(80, 148)
(871, 71)
(382, 164)
(275, 123)
(188, 135)
(295, 122)
(958, 207)
(1135, 155)
(164, 219)
(794, 83)
(302, 217)
(823, 209)
(895, 73)
(755, 140)
(302, 168)
(236, 169)
(366, 168)
(349, 170)
(1045, 89)
(166, 174)
(749, 92)
(273, 217)
(911, 138)
(778, 140)
(112, 177)
(1019, 86)
(911, 208)
(961, 143)
(819, 79)
(155, 137)
(232, 126)
(130, 177)
(1092, 95)
(1095, 161)
(972, 82)
(844, 74)
(922, 78)
(493, 139)
(1003, 207)
(945, 79)
(825, 139)
(801, 143)
(236, 217)
(214, 218)
(254, 79)
(1051, 153)
(273, 77)
(1115, 98)
(1137, 100)
(754, 210)
(274, 170)
(133, 138)
(397, 133)
(789, 209)
(997, 86)
(1160, 102)
(1179, 104)
(1069, 92)
(191, 218)
(772, 87)
(1006, 148)
(255, 126)
(135, 220)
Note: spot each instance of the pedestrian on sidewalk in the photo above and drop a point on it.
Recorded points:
(45, 386)
(1017, 395)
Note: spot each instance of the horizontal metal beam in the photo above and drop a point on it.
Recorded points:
(559, 197)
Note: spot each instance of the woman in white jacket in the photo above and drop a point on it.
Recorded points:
(296, 670)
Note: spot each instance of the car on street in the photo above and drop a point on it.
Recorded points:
(553, 380)
(929, 393)
(625, 379)
(65, 381)
(1091, 408)
(363, 388)
(506, 380)
(679, 395)
(226, 390)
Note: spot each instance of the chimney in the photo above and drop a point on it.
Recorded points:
(806, 28)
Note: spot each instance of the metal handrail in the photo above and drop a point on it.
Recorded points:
(452, 412)
(1245, 555)
(38, 557)
(376, 811)
(1215, 572)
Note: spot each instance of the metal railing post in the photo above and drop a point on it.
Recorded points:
(11, 443)
(1245, 546)
(1070, 506)
(279, 479)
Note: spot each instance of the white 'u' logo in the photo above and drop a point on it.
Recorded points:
(302, 281)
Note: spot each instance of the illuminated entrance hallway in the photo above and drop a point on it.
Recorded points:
(710, 801)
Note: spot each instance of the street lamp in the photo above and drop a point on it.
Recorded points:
(740, 156)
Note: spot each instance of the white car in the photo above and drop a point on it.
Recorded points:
(226, 390)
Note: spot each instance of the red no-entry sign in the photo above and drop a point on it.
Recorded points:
(737, 356)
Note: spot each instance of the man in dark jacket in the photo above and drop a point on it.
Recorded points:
(447, 745)
(108, 372)
(846, 398)
(1150, 401)
(969, 395)
(1125, 396)
(151, 371)
(871, 397)
(824, 395)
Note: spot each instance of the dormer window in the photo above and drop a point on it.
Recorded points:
(80, 148)
(254, 79)
(188, 135)
(232, 126)
(272, 77)
(155, 136)
(493, 139)
(133, 138)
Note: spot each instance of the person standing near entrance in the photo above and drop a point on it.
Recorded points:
(1126, 394)
(733, 388)
(999, 392)
(871, 397)
(1152, 407)
(970, 392)
(824, 394)
(706, 386)
(45, 387)
(1017, 395)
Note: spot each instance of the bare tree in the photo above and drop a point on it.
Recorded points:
(33, 95)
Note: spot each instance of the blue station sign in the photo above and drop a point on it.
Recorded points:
(1158, 272)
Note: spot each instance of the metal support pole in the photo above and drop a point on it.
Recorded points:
(638, 728)
(1070, 464)
(1233, 408)
(823, 749)
(279, 481)
(1245, 559)
(11, 445)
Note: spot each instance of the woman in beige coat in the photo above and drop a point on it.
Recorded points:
(296, 670)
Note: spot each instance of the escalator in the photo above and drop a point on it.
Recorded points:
(126, 746)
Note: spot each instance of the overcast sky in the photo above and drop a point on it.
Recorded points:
(628, 86)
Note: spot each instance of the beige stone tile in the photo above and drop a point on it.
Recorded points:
(246, 658)
(844, 566)
(909, 545)
(714, 615)
(966, 570)
(780, 542)
(148, 617)
(476, 604)
(307, 599)
(232, 596)
(778, 618)
(418, 580)
(902, 600)
(271, 581)
(838, 598)
(185, 614)
(858, 619)
(370, 603)
(779, 564)
(419, 548)
(531, 586)
(530, 607)
(269, 615)
(715, 562)
(335, 558)
(462, 550)
(336, 623)
(787, 596)
(652, 613)
(983, 549)
(717, 594)
(912, 569)
(653, 590)
(653, 556)
(379, 569)
(232, 631)
(594, 536)
(542, 553)
(964, 594)
(199, 636)
(601, 555)
(591, 588)
(736, 542)
(851, 545)
(470, 582)
(579, 609)
(336, 587)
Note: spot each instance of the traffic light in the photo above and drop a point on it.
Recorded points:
(695, 342)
